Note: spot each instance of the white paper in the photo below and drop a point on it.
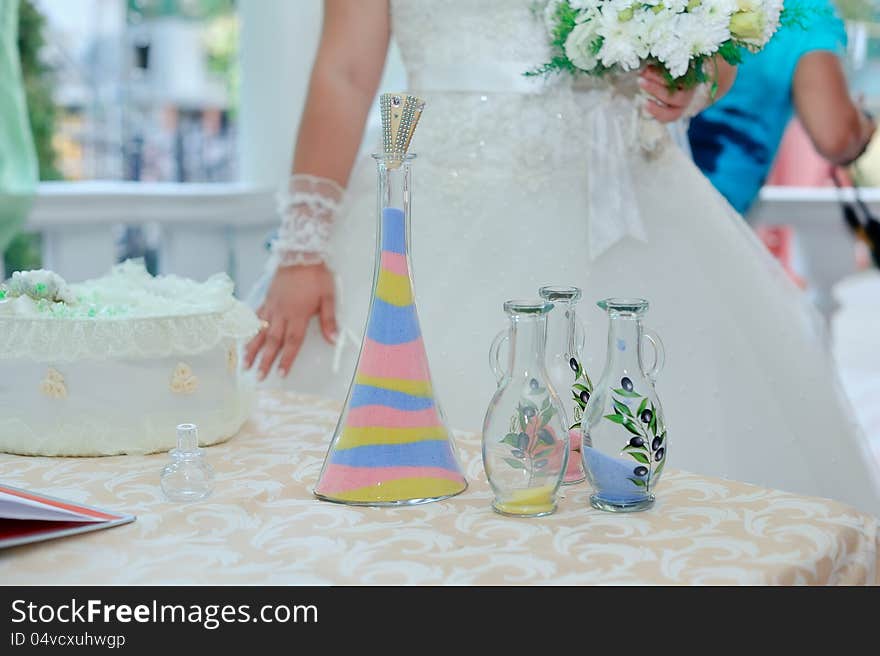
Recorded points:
(14, 507)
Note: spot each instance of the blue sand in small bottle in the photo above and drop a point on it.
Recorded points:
(393, 230)
(610, 477)
(427, 453)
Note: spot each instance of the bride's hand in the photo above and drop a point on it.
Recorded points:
(296, 294)
(664, 105)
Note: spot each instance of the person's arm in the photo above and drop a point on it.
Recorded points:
(839, 130)
(343, 83)
(667, 106)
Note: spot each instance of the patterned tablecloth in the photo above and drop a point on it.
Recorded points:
(262, 525)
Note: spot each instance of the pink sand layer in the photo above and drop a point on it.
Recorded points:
(406, 361)
(380, 415)
(395, 263)
(339, 478)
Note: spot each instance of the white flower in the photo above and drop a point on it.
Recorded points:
(773, 11)
(579, 46)
(617, 5)
(702, 34)
(676, 6)
(755, 21)
(623, 43)
(714, 9)
(671, 48)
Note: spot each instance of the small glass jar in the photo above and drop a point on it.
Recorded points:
(189, 476)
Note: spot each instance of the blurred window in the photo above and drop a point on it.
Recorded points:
(143, 90)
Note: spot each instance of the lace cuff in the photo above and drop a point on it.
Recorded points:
(308, 208)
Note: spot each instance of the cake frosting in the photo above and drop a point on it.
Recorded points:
(112, 365)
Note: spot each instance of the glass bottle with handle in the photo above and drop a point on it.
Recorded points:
(525, 435)
(624, 429)
(565, 364)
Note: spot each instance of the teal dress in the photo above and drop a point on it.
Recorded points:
(734, 142)
(18, 158)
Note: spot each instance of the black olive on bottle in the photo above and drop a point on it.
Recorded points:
(626, 384)
(646, 416)
(636, 441)
(640, 470)
(659, 455)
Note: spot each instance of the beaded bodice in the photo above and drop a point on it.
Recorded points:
(486, 39)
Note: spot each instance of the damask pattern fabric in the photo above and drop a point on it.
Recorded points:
(263, 526)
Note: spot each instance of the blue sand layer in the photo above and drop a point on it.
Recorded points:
(428, 453)
(393, 230)
(368, 395)
(391, 324)
(610, 477)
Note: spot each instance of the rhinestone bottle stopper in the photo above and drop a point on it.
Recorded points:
(400, 116)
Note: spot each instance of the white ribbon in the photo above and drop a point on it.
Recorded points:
(617, 128)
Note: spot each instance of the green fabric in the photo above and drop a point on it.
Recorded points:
(18, 158)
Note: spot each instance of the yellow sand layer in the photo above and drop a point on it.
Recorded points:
(394, 288)
(411, 387)
(532, 501)
(403, 489)
(354, 436)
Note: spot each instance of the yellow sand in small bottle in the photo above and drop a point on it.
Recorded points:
(532, 501)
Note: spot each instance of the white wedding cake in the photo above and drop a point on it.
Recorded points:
(113, 365)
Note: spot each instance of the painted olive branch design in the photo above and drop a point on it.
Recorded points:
(531, 438)
(648, 444)
(581, 391)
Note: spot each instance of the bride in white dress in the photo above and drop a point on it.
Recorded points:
(520, 183)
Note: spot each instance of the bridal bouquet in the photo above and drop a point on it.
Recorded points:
(680, 37)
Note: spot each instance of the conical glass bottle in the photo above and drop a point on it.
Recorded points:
(525, 436)
(565, 345)
(391, 445)
(624, 430)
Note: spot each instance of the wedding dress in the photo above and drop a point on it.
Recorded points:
(522, 182)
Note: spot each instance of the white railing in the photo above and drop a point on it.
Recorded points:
(826, 244)
(206, 228)
(200, 228)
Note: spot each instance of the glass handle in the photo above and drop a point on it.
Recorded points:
(580, 336)
(659, 354)
(495, 355)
